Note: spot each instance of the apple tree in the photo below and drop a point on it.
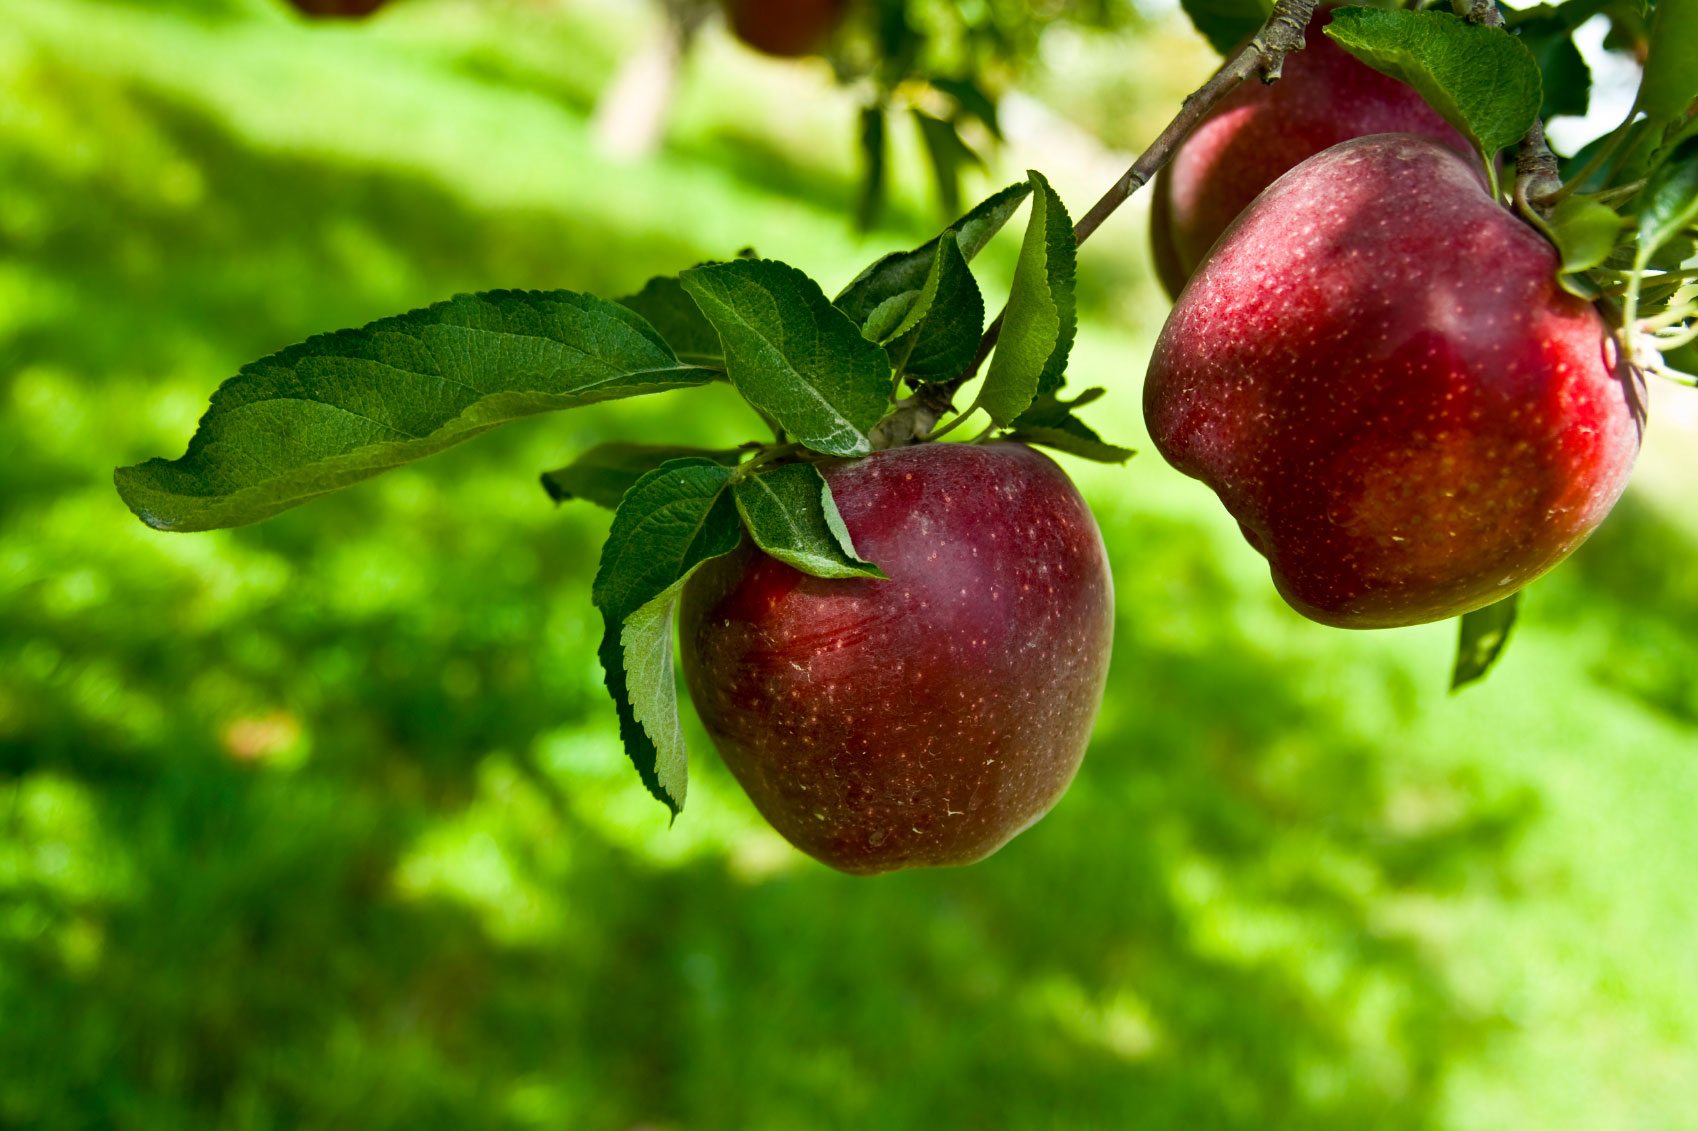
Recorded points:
(1407, 351)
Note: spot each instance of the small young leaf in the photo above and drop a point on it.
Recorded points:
(939, 334)
(1668, 204)
(603, 474)
(888, 315)
(1585, 232)
(793, 355)
(1670, 82)
(342, 407)
(906, 270)
(948, 155)
(668, 309)
(1481, 640)
(790, 513)
(1050, 422)
(1038, 325)
(1483, 80)
(1227, 24)
(670, 521)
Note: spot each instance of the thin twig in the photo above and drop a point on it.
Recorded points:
(1264, 56)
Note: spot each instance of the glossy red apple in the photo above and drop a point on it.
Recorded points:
(1259, 131)
(346, 9)
(1377, 373)
(926, 719)
(786, 28)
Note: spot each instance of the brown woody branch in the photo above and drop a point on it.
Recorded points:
(1263, 56)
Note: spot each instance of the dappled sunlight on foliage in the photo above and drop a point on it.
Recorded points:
(324, 821)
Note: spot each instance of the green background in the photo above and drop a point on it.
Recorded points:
(323, 823)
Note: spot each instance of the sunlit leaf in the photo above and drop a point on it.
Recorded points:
(343, 407)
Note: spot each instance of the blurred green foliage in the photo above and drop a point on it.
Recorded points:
(323, 822)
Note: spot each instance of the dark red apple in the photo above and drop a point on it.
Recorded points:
(1377, 373)
(786, 28)
(926, 719)
(1259, 131)
(346, 9)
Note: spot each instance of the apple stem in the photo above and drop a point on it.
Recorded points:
(1605, 153)
(1264, 55)
(1537, 176)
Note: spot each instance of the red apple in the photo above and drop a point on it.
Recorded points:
(1377, 373)
(1259, 131)
(786, 28)
(926, 719)
(338, 8)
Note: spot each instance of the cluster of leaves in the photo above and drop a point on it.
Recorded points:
(942, 64)
(1625, 217)
(823, 373)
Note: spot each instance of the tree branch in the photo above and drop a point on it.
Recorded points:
(1536, 169)
(1264, 55)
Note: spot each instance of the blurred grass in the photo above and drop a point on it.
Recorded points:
(322, 822)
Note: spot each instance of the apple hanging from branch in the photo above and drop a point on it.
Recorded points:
(1378, 373)
(926, 718)
(1383, 372)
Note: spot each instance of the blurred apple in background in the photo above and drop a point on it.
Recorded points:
(786, 28)
(345, 9)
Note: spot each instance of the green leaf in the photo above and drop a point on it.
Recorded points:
(1227, 24)
(1481, 639)
(1683, 359)
(948, 155)
(1050, 422)
(887, 316)
(939, 334)
(1483, 80)
(670, 521)
(1670, 82)
(1668, 204)
(1076, 440)
(790, 513)
(906, 270)
(972, 99)
(1566, 80)
(1585, 232)
(603, 474)
(793, 355)
(663, 303)
(1039, 322)
(342, 407)
(650, 696)
(869, 198)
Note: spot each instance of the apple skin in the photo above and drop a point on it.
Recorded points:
(926, 719)
(1261, 130)
(344, 9)
(788, 29)
(1377, 373)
